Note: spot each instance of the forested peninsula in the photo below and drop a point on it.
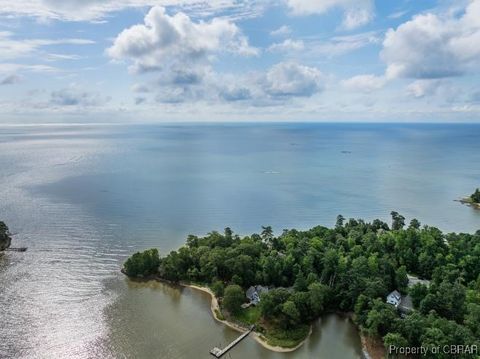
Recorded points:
(5, 239)
(353, 268)
(473, 200)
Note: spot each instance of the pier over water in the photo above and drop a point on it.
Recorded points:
(218, 353)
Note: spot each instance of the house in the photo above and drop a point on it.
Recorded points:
(402, 302)
(394, 298)
(254, 292)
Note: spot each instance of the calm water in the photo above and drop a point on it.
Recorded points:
(82, 198)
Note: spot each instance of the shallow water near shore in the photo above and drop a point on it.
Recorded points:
(83, 198)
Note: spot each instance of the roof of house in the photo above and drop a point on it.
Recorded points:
(253, 293)
(249, 293)
(395, 294)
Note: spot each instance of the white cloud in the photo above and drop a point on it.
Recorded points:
(287, 45)
(97, 10)
(443, 90)
(422, 88)
(281, 31)
(340, 45)
(176, 42)
(397, 14)
(10, 67)
(12, 48)
(356, 12)
(293, 80)
(365, 83)
(74, 96)
(434, 46)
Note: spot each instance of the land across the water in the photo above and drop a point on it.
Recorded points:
(469, 202)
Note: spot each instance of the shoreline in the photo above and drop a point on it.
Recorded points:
(214, 306)
(367, 351)
(468, 202)
(371, 348)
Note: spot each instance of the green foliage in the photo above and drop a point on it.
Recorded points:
(475, 196)
(291, 312)
(414, 224)
(418, 292)
(233, 298)
(398, 221)
(394, 339)
(218, 288)
(401, 279)
(287, 338)
(351, 267)
(142, 263)
(380, 318)
(250, 315)
(5, 239)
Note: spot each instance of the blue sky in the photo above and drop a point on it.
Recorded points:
(239, 60)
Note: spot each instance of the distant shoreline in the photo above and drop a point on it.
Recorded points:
(468, 201)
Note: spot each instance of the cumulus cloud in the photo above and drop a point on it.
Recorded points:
(288, 79)
(140, 88)
(176, 42)
(443, 89)
(356, 12)
(434, 46)
(10, 80)
(235, 93)
(73, 96)
(365, 83)
(287, 46)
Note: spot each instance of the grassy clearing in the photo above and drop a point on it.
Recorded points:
(250, 315)
(287, 338)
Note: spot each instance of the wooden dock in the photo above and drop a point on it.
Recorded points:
(218, 353)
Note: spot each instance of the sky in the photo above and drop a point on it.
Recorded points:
(88, 61)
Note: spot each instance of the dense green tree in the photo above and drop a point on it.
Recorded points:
(318, 297)
(394, 340)
(472, 319)
(398, 221)
(267, 234)
(233, 298)
(415, 224)
(218, 288)
(142, 263)
(401, 279)
(475, 197)
(417, 293)
(300, 284)
(5, 239)
(380, 318)
(340, 221)
(271, 303)
(290, 310)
